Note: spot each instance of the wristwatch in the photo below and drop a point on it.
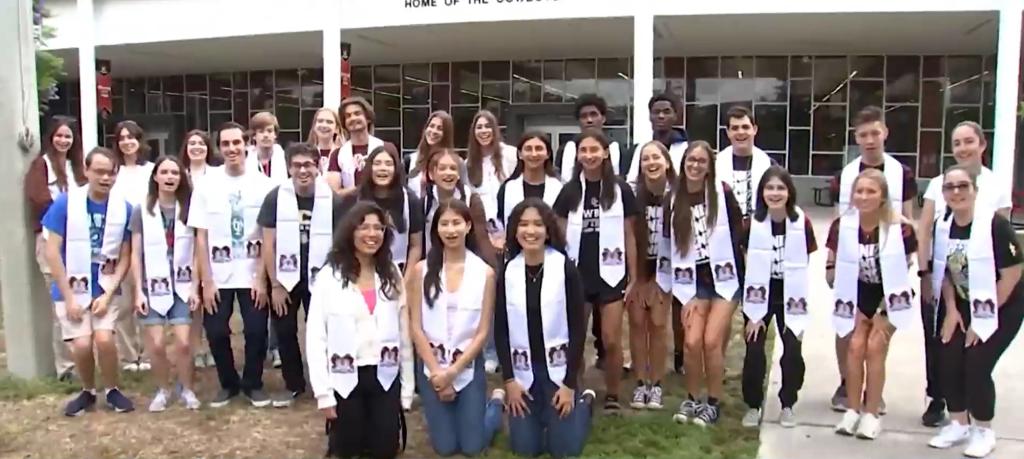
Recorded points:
(923, 272)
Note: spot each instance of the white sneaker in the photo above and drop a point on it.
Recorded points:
(159, 402)
(753, 418)
(848, 425)
(144, 366)
(983, 442)
(639, 401)
(275, 358)
(952, 434)
(787, 418)
(490, 366)
(655, 399)
(190, 400)
(131, 366)
(870, 427)
(499, 395)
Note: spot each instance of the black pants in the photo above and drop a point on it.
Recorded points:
(218, 333)
(755, 363)
(967, 372)
(369, 421)
(595, 330)
(932, 318)
(287, 328)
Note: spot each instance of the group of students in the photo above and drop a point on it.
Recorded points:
(427, 283)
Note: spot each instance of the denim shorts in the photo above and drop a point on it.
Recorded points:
(177, 315)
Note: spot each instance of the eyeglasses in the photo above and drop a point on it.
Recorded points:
(305, 165)
(956, 187)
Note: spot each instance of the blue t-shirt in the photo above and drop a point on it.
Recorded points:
(55, 221)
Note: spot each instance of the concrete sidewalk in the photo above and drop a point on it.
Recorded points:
(903, 436)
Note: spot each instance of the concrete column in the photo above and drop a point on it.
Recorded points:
(87, 74)
(643, 70)
(23, 297)
(332, 65)
(1007, 80)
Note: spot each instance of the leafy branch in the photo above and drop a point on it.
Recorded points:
(49, 67)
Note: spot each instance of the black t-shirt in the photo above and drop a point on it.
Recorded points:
(590, 240)
(909, 182)
(1005, 249)
(529, 191)
(575, 316)
(701, 232)
(267, 218)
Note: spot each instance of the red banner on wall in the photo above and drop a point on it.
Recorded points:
(346, 70)
(104, 85)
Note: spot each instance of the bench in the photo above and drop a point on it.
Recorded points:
(823, 195)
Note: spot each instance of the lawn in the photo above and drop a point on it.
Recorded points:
(31, 425)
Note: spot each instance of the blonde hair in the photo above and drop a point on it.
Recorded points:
(887, 216)
(339, 136)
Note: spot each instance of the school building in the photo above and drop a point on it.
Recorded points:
(804, 66)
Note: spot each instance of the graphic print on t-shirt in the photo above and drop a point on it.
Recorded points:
(305, 219)
(237, 224)
(592, 216)
(956, 263)
(96, 220)
(743, 190)
(654, 219)
(869, 267)
(778, 256)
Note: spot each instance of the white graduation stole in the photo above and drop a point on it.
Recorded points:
(400, 244)
(78, 246)
(893, 177)
(760, 255)
(897, 294)
(470, 297)
(555, 323)
(981, 278)
(278, 166)
(569, 159)
(51, 177)
(428, 227)
(612, 257)
(342, 345)
(675, 154)
(759, 163)
(720, 253)
(287, 242)
(490, 184)
(223, 258)
(162, 287)
(347, 162)
(514, 194)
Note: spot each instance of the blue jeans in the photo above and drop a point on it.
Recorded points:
(542, 430)
(465, 425)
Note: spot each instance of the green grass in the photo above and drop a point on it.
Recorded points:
(12, 388)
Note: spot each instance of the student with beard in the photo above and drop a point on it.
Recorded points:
(451, 304)
(650, 299)
(326, 135)
(598, 209)
(591, 113)
(778, 243)
(983, 307)
(355, 315)
(488, 164)
(539, 312)
(742, 164)
(59, 167)
(297, 218)
(665, 111)
(701, 215)
(162, 255)
(438, 133)
(88, 251)
(968, 148)
(534, 176)
(345, 167)
(445, 182)
(870, 247)
(265, 155)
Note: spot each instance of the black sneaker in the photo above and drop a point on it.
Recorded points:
(935, 415)
(222, 398)
(258, 398)
(79, 405)
(118, 402)
(285, 399)
(611, 404)
(707, 416)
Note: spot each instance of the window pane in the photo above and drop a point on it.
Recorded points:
(737, 80)
(964, 79)
(771, 126)
(554, 81)
(829, 128)
(867, 66)
(440, 97)
(614, 69)
(702, 84)
(389, 135)
(830, 79)
(800, 66)
(416, 84)
(675, 67)
(217, 119)
(863, 94)
(261, 90)
(988, 106)
(240, 107)
(800, 103)
(498, 92)
(135, 95)
(193, 84)
(580, 76)
(387, 106)
(934, 67)
(362, 77)
(174, 93)
(526, 81)
(902, 78)
(413, 122)
(496, 71)
(909, 161)
(462, 117)
(799, 151)
(466, 82)
(440, 72)
(289, 137)
(932, 102)
(286, 78)
(307, 121)
(702, 122)
(287, 108)
(826, 165)
(386, 74)
(902, 123)
(955, 115)
(930, 153)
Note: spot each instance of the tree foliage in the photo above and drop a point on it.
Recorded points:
(49, 67)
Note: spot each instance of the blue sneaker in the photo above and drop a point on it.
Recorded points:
(77, 406)
(118, 402)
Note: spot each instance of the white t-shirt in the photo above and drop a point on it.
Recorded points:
(991, 192)
(133, 182)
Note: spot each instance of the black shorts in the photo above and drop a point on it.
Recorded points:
(598, 293)
(869, 298)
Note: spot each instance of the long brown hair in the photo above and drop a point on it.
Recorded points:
(609, 181)
(680, 211)
(212, 158)
(435, 256)
(136, 132)
(74, 153)
(183, 194)
(475, 158)
(645, 199)
(342, 256)
(396, 189)
(339, 134)
(424, 149)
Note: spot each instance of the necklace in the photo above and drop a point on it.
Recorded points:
(535, 277)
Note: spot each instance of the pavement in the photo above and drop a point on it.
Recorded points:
(902, 436)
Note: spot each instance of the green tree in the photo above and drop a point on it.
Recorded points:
(49, 67)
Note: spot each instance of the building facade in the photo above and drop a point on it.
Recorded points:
(804, 68)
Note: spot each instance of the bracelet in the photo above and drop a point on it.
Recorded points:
(923, 272)
(830, 266)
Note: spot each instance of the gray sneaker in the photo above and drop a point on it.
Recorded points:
(752, 419)
(258, 398)
(839, 400)
(284, 399)
(222, 398)
(688, 410)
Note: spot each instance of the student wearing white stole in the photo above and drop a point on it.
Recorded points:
(87, 251)
(163, 273)
(438, 133)
(540, 329)
(598, 210)
(444, 182)
(778, 245)
(354, 338)
(345, 168)
(489, 163)
(650, 299)
(870, 247)
(224, 212)
(297, 219)
(742, 164)
(977, 268)
(451, 304)
(326, 136)
(265, 155)
(665, 111)
(707, 266)
(534, 177)
(591, 113)
(968, 148)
